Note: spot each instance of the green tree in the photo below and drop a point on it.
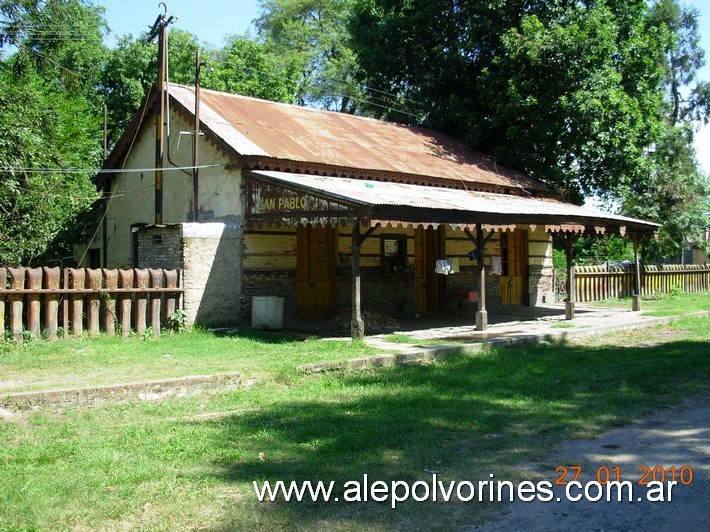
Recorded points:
(676, 194)
(688, 98)
(312, 37)
(595, 97)
(50, 120)
(676, 190)
(565, 91)
(131, 70)
(42, 130)
(244, 67)
(62, 40)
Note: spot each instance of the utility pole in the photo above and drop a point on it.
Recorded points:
(107, 194)
(160, 30)
(196, 143)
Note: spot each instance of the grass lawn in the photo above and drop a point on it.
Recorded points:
(43, 365)
(663, 304)
(190, 462)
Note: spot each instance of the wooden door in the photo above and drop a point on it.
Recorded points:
(514, 260)
(428, 285)
(315, 271)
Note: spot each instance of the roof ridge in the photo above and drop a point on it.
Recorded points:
(312, 109)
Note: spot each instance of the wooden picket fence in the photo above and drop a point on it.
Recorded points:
(596, 283)
(40, 299)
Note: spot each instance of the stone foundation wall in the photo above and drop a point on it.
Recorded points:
(160, 246)
(387, 294)
(212, 273)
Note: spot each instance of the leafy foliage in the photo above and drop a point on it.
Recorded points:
(568, 92)
(312, 37)
(677, 193)
(687, 97)
(41, 128)
(244, 67)
(48, 93)
(595, 97)
(129, 73)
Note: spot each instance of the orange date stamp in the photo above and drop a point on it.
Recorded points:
(605, 474)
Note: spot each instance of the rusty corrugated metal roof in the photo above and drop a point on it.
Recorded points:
(254, 127)
(471, 204)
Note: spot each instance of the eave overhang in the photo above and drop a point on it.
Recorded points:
(292, 199)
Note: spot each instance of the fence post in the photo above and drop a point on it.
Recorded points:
(141, 300)
(171, 281)
(3, 284)
(126, 279)
(51, 281)
(17, 282)
(78, 277)
(34, 282)
(65, 304)
(111, 277)
(92, 320)
(156, 281)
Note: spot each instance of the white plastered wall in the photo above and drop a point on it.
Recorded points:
(134, 192)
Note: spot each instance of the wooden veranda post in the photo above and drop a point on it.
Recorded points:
(482, 314)
(636, 298)
(357, 326)
(571, 283)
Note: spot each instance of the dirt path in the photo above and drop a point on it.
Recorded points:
(678, 436)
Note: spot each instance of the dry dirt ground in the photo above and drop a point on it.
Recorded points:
(678, 436)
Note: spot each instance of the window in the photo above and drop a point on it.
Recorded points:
(94, 258)
(393, 250)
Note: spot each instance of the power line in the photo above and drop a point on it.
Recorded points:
(352, 97)
(100, 170)
(22, 47)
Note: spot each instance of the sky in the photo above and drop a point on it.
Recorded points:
(210, 20)
(213, 20)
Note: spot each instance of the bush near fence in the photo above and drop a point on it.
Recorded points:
(95, 300)
(597, 283)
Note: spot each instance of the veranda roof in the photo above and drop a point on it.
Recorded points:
(280, 197)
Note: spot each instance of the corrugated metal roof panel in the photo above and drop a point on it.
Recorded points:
(263, 128)
(425, 197)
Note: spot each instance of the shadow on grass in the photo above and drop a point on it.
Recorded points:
(257, 335)
(463, 419)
